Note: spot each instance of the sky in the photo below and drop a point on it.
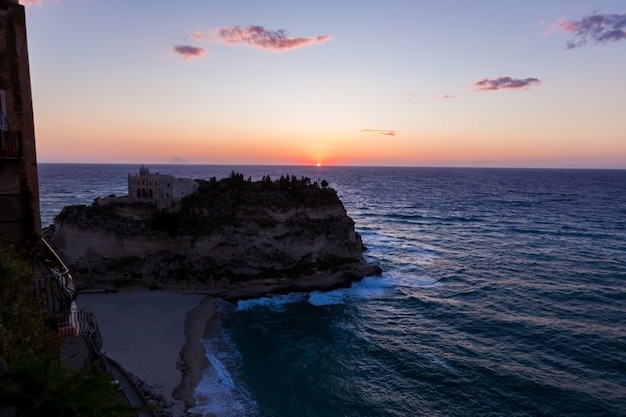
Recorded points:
(354, 83)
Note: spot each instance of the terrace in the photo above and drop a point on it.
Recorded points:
(53, 282)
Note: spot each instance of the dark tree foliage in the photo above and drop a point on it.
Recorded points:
(237, 181)
(224, 202)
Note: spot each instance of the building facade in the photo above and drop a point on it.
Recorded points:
(19, 189)
(157, 186)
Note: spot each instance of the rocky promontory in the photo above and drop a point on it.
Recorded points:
(232, 237)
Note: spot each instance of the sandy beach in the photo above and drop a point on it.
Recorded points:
(157, 336)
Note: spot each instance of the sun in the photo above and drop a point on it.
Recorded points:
(318, 164)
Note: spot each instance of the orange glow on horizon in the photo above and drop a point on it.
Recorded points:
(149, 144)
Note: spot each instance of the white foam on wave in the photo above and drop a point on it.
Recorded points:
(366, 289)
(413, 279)
(215, 399)
(325, 298)
(218, 393)
(372, 287)
(274, 303)
(223, 376)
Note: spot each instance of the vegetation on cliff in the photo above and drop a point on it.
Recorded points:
(234, 200)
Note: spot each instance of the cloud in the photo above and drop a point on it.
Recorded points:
(259, 37)
(596, 29)
(506, 83)
(449, 96)
(28, 3)
(188, 51)
(380, 132)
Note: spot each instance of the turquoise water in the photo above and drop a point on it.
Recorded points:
(503, 294)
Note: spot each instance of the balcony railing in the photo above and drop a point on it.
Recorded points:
(81, 323)
(11, 144)
(54, 283)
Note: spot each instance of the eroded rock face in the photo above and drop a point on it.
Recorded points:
(221, 235)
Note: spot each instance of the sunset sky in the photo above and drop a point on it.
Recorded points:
(389, 83)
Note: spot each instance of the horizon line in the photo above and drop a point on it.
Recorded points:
(339, 166)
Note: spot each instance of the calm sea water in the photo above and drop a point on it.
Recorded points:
(503, 294)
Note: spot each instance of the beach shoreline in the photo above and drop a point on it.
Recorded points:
(200, 323)
(157, 336)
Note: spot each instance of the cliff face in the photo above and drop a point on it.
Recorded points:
(228, 232)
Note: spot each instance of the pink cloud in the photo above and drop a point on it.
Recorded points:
(596, 29)
(505, 83)
(259, 37)
(449, 96)
(380, 132)
(28, 3)
(200, 36)
(188, 51)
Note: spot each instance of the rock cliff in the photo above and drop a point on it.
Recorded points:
(229, 236)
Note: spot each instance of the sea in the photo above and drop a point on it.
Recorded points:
(503, 293)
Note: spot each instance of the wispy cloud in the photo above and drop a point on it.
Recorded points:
(448, 96)
(505, 83)
(28, 3)
(380, 132)
(259, 37)
(596, 29)
(188, 51)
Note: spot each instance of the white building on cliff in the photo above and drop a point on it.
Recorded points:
(157, 186)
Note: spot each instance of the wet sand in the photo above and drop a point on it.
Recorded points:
(201, 322)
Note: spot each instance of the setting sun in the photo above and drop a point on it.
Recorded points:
(446, 116)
